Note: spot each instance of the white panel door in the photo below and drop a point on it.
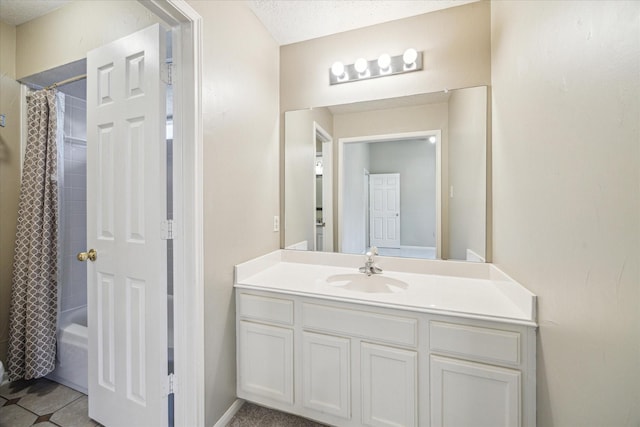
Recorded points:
(389, 386)
(473, 394)
(326, 379)
(384, 210)
(265, 368)
(126, 202)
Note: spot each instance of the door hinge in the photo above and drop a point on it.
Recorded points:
(171, 384)
(167, 230)
(167, 73)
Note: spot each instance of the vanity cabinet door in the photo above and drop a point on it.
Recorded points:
(389, 386)
(265, 368)
(326, 375)
(473, 394)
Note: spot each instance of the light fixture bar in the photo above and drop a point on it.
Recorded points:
(374, 70)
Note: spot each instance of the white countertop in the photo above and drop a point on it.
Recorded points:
(439, 287)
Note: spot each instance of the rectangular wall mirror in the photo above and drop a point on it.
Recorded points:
(407, 175)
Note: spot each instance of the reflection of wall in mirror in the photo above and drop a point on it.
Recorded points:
(354, 203)
(467, 173)
(300, 205)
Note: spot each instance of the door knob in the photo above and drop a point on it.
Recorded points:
(92, 255)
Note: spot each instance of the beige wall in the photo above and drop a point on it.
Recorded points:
(455, 42)
(67, 34)
(9, 172)
(566, 174)
(241, 157)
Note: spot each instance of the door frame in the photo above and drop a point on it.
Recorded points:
(365, 208)
(327, 183)
(189, 387)
(440, 179)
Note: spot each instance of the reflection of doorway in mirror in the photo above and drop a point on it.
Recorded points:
(323, 215)
(378, 215)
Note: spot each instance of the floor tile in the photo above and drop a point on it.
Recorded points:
(48, 398)
(45, 424)
(43, 418)
(20, 388)
(15, 416)
(74, 414)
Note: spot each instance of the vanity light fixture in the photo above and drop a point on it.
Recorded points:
(338, 72)
(384, 65)
(362, 67)
(409, 58)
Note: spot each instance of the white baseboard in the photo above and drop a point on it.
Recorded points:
(226, 417)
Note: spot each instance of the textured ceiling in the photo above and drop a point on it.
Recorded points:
(16, 12)
(292, 21)
(288, 21)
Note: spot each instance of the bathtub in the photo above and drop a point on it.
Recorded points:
(72, 361)
(73, 355)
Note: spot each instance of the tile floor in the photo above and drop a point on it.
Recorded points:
(42, 403)
(251, 415)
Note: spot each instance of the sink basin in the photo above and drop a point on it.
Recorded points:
(376, 283)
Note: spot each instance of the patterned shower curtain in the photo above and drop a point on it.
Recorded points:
(34, 293)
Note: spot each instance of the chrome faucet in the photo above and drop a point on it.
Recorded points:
(370, 266)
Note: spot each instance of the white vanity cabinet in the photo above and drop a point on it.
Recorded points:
(481, 375)
(353, 364)
(265, 335)
(326, 374)
(473, 394)
(266, 361)
(389, 386)
(379, 376)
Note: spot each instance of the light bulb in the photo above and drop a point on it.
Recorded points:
(384, 61)
(410, 55)
(432, 139)
(361, 65)
(337, 69)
